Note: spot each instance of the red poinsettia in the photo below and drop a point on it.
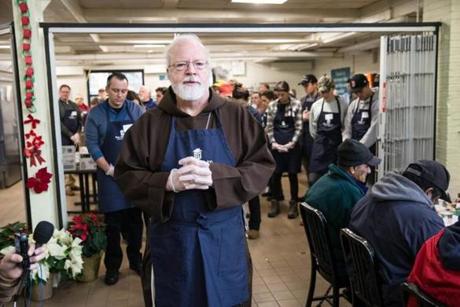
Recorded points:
(91, 231)
(39, 183)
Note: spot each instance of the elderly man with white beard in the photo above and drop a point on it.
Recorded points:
(190, 164)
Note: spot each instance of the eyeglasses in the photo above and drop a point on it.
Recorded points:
(198, 65)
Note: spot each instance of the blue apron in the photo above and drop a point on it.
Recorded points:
(110, 196)
(328, 138)
(199, 256)
(361, 121)
(70, 121)
(283, 132)
(307, 140)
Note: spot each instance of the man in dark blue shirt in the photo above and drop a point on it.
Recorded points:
(146, 98)
(397, 216)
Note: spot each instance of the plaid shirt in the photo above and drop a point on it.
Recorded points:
(295, 108)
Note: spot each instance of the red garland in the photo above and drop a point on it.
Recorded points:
(31, 120)
(29, 84)
(23, 7)
(26, 47)
(29, 72)
(26, 33)
(39, 183)
(33, 146)
(25, 21)
(34, 142)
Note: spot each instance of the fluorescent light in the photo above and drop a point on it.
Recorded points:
(260, 1)
(149, 46)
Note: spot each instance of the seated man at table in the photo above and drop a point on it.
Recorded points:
(335, 193)
(397, 216)
(437, 267)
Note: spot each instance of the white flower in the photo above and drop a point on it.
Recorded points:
(67, 251)
(56, 250)
(42, 272)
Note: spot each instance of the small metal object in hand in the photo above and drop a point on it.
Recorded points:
(197, 153)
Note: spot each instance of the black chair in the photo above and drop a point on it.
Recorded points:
(362, 271)
(423, 300)
(322, 259)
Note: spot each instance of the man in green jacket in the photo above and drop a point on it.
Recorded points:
(336, 193)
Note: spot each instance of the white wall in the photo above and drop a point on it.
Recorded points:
(448, 106)
(360, 63)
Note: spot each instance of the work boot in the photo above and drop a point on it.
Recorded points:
(293, 210)
(253, 234)
(274, 209)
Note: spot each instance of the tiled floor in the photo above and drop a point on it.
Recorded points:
(281, 271)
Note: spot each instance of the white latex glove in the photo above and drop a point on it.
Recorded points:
(289, 145)
(110, 171)
(75, 138)
(306, 115)
(194, 174)
(278, 147)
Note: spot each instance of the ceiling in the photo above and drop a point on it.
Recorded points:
(83, 49)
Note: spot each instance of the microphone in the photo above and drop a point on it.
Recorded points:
(43, 233)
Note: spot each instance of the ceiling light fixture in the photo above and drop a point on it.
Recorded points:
(260, 1)
(149, 46)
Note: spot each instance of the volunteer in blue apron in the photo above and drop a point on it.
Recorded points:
(310, 84)
(284, 129)
(191, 163)
(326, 124)
(70, 118)
(106, 126)
(361, 122)
(71, 122)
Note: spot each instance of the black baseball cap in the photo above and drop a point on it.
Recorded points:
(358, 82)
(433, 172)
(353, 153)
(308, 79)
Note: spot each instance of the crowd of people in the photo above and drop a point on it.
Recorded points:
(190, 162)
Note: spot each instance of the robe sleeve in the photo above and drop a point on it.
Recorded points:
(138, 171)
(234, 185)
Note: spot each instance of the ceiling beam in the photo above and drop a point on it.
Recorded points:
(245, 40)
(160, 56)
(220, 15)
(77, 13)
(170, 4)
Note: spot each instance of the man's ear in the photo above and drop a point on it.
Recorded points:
(429, 192)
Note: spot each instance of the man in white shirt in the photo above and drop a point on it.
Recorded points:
(326, 122)
(361, 122)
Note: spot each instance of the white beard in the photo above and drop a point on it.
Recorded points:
(189, 92)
